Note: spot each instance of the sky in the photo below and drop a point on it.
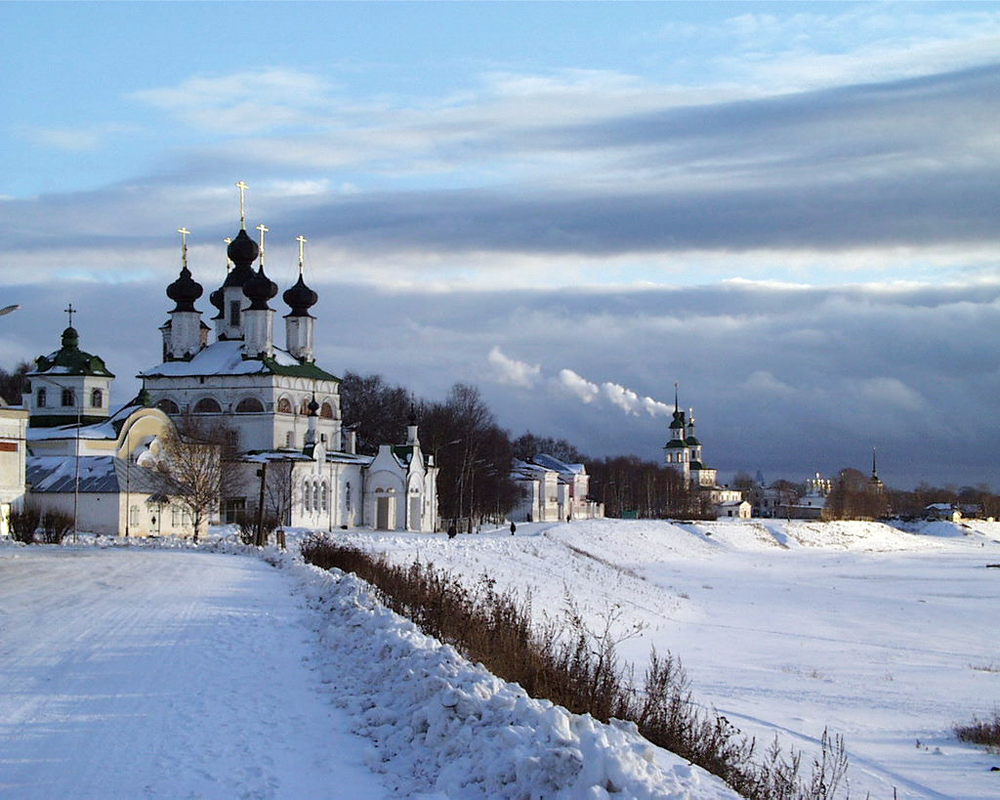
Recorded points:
(790, 210)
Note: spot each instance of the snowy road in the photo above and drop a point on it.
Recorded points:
(159, 673)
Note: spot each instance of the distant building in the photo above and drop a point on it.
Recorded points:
(683, 452)
(553, 491)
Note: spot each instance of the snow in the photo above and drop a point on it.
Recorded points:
(137, 671)
(884, 635)
(221, 358)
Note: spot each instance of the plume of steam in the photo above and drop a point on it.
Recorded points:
(520, 373)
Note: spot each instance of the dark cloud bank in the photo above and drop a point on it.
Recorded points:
(789, 381)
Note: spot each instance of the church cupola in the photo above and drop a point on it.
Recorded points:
(242, 252)
(185, 337)
(677, 452)
(68, 385)
(299, 322)
(258, 328)
(411, 427)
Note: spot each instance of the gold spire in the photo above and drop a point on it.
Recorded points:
(263, 229)
(241, 185)
(302, 250)
(184, 245)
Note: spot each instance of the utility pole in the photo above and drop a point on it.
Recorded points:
(260, 505)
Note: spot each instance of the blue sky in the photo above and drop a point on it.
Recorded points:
(791, 209)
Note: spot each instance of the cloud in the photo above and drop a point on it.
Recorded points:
(516, 373)
(242, 103)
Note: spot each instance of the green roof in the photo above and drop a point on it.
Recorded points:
(71, 360)
(675, 443)
(306, 370)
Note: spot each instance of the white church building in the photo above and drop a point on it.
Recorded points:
(278, 404)
(683, 452)
(279, 410)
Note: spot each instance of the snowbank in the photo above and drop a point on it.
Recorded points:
(441, 724)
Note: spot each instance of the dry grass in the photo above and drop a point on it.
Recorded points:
(984, 732)
(576, 667)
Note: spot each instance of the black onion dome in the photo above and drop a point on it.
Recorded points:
(70, 339)
(184, 291)
(313, 407)
(218, 299)
(300, 298)
(259, 289)
(242, 251)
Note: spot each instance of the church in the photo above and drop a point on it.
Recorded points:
(683, 452)
(278, 410)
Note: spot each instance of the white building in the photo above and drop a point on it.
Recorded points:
(553, 491)
(683, 452)
(90, 464)
(13, 428)
(279, 405)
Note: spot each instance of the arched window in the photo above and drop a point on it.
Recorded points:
(168, 406)
(249, 405)
(316, 496)
(306, 496)
(284, 407)
(324, 497)
(96, 398)
(207, 405)
(347, 497)
(41, 398)
(68, 397)
(304, 408)
(326, 411)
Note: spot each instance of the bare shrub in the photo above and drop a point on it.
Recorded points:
(55, 526)
(985, 732)
(576, 667)
(23, 524)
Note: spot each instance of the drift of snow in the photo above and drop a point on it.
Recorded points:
(886, 636)
(142, 672)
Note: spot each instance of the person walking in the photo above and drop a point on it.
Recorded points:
(513, 528)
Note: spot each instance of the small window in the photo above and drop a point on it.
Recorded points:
(284, 407)
(68, 397)
(324, 498)
(97, 399)
(290, 439)
(133, 514)
(234, 312)
(306, 496)
(41, 398)
(326, 411)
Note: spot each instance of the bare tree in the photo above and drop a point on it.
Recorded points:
(278, 491)
(198, 459)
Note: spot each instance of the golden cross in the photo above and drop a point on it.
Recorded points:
(69, 310)
(302, 249)
(184, 245)
(229, 264)
(241, 185)
(263, 229)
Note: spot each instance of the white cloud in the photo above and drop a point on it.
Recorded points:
(511, 371)
(578, 386)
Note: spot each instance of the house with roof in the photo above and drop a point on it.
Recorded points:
(86, 462)
(553, 490)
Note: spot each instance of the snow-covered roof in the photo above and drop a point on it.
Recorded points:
(99, 430)
(553, 463)
(57, 474)
(226, 357)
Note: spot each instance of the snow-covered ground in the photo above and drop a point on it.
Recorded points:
(886, 636)
(165, 672)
